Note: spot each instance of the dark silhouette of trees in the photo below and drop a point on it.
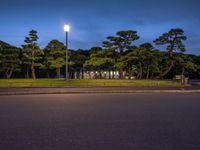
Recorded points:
(118, 53)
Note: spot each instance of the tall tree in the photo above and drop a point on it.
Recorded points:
(55, 55)
(148, 58)
(9, 59)
(134, 59)
(31, 53)
(174, 41)
(121, 42)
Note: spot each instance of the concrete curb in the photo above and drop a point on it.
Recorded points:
(100, 92)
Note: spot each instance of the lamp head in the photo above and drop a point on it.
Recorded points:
(66, 27)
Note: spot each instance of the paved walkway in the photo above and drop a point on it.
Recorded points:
(16, 91)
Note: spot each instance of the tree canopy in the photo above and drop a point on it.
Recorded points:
(117, 53)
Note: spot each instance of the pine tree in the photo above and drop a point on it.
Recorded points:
(9, 59)
(31, 53)
(55, 56)
(121, 43)
(174, 41)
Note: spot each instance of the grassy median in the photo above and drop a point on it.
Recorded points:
(83, 83)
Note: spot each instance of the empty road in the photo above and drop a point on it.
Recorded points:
(100, 122)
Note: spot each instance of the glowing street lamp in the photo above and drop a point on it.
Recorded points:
(67, 29)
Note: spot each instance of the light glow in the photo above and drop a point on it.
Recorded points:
(66, 28)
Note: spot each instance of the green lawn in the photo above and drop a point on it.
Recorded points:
(82, 83)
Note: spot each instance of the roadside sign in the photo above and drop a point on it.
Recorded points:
(178, 77)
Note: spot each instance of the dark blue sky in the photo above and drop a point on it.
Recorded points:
(93, 20)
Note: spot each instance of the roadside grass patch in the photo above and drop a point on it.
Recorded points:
(84, 83)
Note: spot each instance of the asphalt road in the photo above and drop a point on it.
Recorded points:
(100, 122)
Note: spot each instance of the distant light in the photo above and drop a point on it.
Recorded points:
(66, 28)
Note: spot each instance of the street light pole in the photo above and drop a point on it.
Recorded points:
(67, 71)
(66, 29)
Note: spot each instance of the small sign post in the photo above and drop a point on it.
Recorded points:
(181, 79)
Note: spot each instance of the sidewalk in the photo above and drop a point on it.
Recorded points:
(74, 90)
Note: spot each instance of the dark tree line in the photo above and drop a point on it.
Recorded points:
(117, 53)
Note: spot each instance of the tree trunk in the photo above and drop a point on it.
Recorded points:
(58, 72)
(92, 76)
(152, 76)
(9, 75)
(100, 75)
(167, 70)
(27, 72)
(138, 75)
(129, 74)
(9, 72)
(78, 74)
(171, 54)
(121, 73)
(82, 74)
(147, 76)
(109, 75)
(33, 64)
(183, 71)
(33, 71)
(6, 75)
(47, 73)
(141, 71)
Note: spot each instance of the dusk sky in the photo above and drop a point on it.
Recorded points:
(93, 20)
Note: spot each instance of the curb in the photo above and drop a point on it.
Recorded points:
(100, 92)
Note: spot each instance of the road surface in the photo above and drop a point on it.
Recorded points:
(100, 122)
